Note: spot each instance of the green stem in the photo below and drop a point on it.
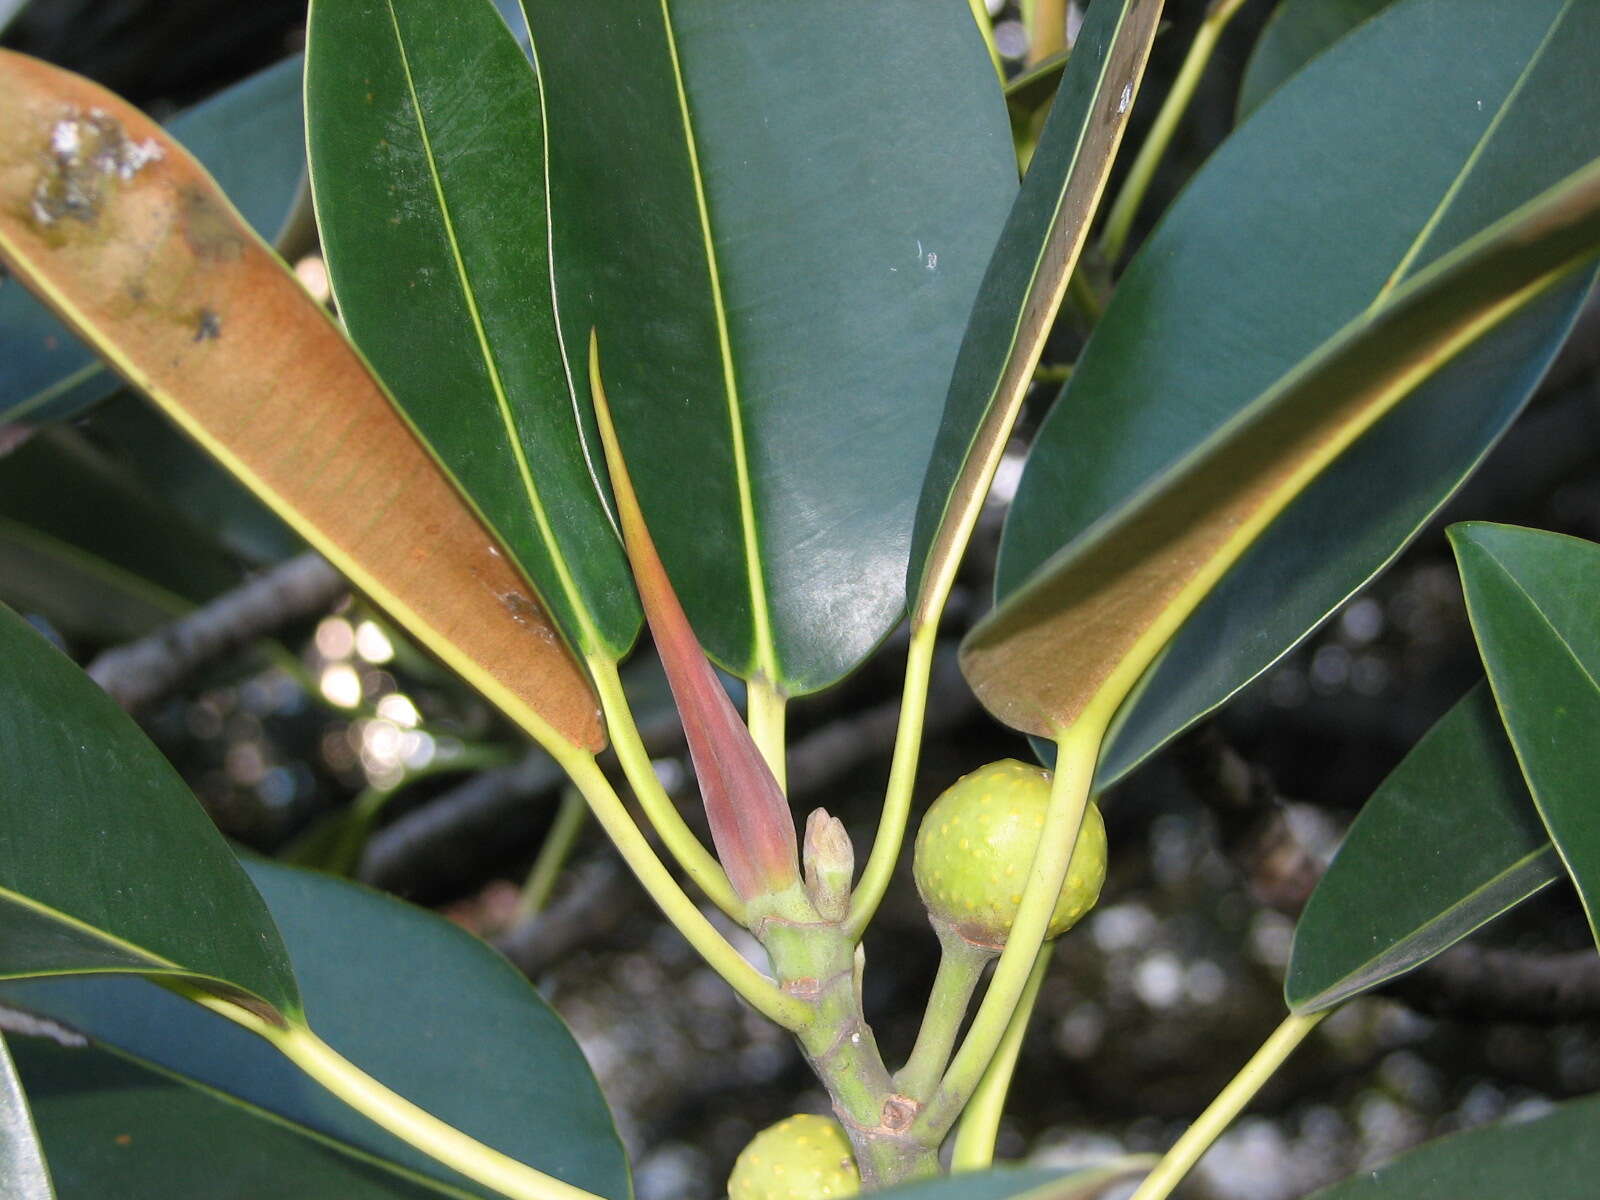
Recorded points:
(686, 849)
(980, 13)
(818, 959)
(552, 855)
(1120, 222)
(961, 965)
(1197, 1139)
(1077, 752)
(442, 1142)
(896, 811)
(762, 993)
(980, 1120)
(1084, 298)
(1047, 30)
(766, 708)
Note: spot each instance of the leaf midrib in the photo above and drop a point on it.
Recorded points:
(1544, 617)
(765, 654)
(1403, 268)
(1393, 951)
(575, 599)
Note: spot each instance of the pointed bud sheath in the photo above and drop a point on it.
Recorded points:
(751, 825)
(830, 863)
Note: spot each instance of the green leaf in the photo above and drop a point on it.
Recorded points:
(1534, 601)
(1017, 1183)
(1553, 1157)
(85, 545)
(1264, 261)
(1297, 32)
(430, 189)
(1449, 841)
(416, 1002)
(21, 1161)
(778, 227)
(114, 1129)
(249, 137)
(111, 1128)
(1024, 286)
(143, 884)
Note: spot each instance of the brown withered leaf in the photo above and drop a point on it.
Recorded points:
(121, 232)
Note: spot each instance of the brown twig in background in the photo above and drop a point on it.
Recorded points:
(152, 667)
(493, 808)
(1475, 983)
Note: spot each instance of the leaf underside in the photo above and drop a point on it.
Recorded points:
(127, 237)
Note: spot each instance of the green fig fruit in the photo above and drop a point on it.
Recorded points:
(799, 1158)
(976, 845)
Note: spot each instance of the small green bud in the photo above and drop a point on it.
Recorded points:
(830, 863)
(975, 848)
(800, 1158)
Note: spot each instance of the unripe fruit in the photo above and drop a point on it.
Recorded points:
(976, 845)
(799, 1158)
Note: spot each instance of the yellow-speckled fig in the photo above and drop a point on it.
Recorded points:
(799, 1158)
(976, 845)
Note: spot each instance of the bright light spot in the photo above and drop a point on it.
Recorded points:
(313, 275)
(1121, 927)
(1362, 621)
(1159, 979)
(1271, 935)
(399, 709)
(423, 751)
(341, 685)
(373, 644)
(381, 743)
(335, 639)
(1011, 39)
(1006, 477)
(670, 773)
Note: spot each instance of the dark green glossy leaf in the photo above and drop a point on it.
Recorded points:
(1534, 600)
(429, 182)
(1265, 257)
(249, 138)
(22, 1168)
(111, 1128)
(1553, 1157)
(416, 1002)
(776, 216)
(85, 545)
(142, 884)
(1449, 841)
(1014, 1183)
(1297, 32)
(1024, 286)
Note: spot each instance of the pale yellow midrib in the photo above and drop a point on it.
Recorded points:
(760, 617)
(591, 636)
(1461, 176)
